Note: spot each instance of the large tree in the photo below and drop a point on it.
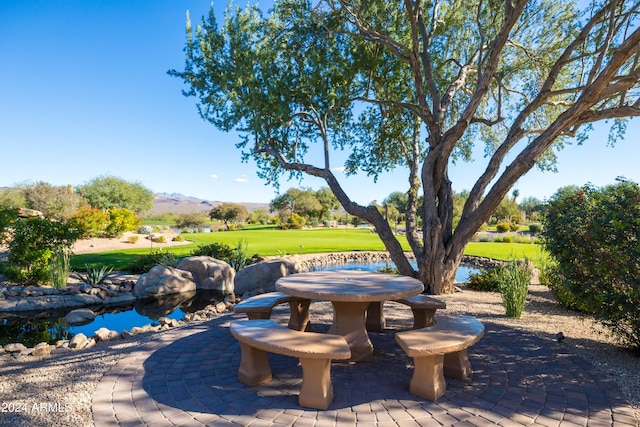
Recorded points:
(416, 84)
(229, 212)
(105, 192)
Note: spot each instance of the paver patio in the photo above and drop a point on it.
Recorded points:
(189, 377)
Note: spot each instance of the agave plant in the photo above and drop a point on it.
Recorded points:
(96, 274)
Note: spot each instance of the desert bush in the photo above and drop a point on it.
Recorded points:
(144, 263)
(295, 221)
(121, 220)
(502, 227)
(160, 239)
(535, 228)
(133, 238)
(33, 242)
(177, 238)
(513, 284)
(513, 226)
(236, 257)
(507, 239)
(145, 229)
(485, 280)
(215, 250)
(259, 216)
(91, 221)
(191, 219)
(593, 235)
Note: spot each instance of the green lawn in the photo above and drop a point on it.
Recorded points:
(268, 241)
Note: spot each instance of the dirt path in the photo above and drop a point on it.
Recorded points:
(86, 246)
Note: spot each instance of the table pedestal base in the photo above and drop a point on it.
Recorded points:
(349, 321)
(375, 317)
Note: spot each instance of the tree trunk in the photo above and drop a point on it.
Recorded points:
(438, 274)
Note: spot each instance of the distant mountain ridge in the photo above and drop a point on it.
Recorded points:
(178, 203)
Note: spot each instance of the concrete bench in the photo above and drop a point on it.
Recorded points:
(440, 350)
(257, 338)
(423, 307)
(261, 306)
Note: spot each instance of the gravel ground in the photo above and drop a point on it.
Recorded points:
(57, 390)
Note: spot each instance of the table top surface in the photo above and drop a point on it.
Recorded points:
(349, 285)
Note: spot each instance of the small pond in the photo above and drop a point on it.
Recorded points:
(33, 328)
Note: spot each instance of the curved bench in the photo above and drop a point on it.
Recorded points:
(257, 338)
(261, 307)
(423, 307)
(438, 350)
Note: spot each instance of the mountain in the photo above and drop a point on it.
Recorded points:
(177, 203)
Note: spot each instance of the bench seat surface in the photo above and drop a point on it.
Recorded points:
(262, 302)
(423, 301)
(272, 337)
(449, 334)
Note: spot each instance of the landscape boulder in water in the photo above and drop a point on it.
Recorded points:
(162, 280)
(261, 277)
(210, 273)
(81, 316)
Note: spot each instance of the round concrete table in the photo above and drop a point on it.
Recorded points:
(350, 292)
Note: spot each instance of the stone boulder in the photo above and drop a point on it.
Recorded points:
(161, 280)
(210, 273)
(42, 349)
(81, 316)
(15, 348)
(79, 341)
(104, 334)
(261, 277)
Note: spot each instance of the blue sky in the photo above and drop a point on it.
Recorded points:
(84, 92)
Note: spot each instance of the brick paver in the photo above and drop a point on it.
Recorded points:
(188, 377)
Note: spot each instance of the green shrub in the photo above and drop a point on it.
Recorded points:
(508, 239)
(502, 227)
(133, 238)
(32, 244)
(535, 228)
(593, 235)
(214, 250)
(236, 257)
(513, 226)
(565, 297)
(485, 280)
(144, 263)
(513, 285)
(178, 238)
(160, 239)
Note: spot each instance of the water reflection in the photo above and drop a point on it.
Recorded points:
(30, 333)
(31, 328)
